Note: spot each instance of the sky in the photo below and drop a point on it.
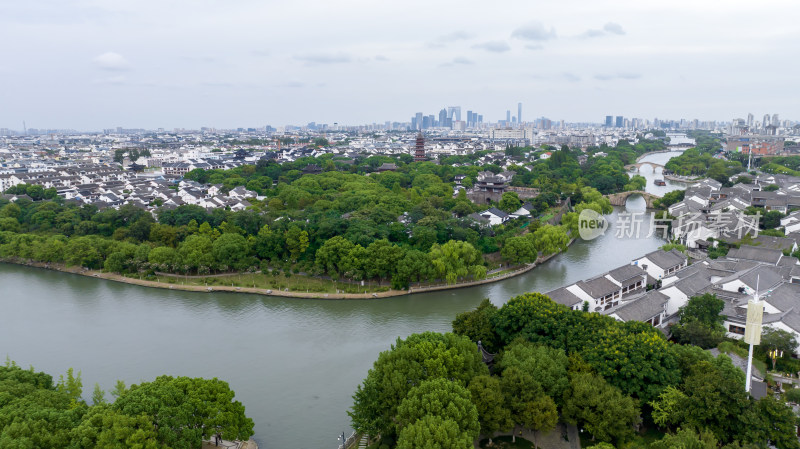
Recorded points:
(94, 64)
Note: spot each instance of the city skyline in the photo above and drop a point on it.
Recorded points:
(232, 64)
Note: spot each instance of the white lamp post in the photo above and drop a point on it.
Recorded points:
(752, 331)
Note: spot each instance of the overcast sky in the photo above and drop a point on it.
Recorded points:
(96, 64)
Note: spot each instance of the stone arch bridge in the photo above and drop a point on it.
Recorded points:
(619, 199)
(638, 165)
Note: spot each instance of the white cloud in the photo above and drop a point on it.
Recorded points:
(616, 76)
(534, 31)
(493, 46)
(322, 58)
(613, 28)
(112, 61)
(459, 60)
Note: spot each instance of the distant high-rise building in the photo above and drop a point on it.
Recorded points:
(508, 116)
(443, 118)
(775, 120)
(419, 148)
(619, 122)
(765, 122)
(426, 122)
(750, 120)
(419, 120)
(480, 118)
(519, 112)
(609, 121)
(454, 112)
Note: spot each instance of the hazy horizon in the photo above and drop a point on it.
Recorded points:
(93, 64)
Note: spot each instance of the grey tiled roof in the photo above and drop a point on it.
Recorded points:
(626, 272)
(564, 296)
(666, 259)
(785, 296)
(765, 276)
(644, 308)
(756, 253)
(598, 287)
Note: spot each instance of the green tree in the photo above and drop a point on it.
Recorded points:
(635, 358)
(550, 239)
(510, 202)
(187, 410)
(548, 366)
(454, 260)
(195, 252)
(104, 428)
(407, 364)
(434, 432)
(72, 385)
(526, 401)
(700, 322)
(296, 241)
(776, 424)
(230, 250)
(163, 256)
(98, 395)
(687, 438)
(493, 415)
(415, 266)
(477, 325)
(332, 254)
(600, 408)
(443, 398)
(637, 182)
(519, 250)
(773, 338)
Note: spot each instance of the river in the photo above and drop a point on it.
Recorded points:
(294, 363)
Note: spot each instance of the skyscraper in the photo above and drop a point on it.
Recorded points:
(418, 118)
(765, 123)
(454, 112)
(775, 120)
(443, 118)
(508, 116)
(620, 122)
(609, 121)
(750, 120)
(519, 112)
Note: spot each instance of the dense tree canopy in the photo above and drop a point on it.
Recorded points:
(166, 413)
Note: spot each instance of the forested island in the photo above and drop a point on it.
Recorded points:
(346, 227)
(168, 412)
(623, 383)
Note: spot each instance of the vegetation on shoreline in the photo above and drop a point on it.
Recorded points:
(393, 227)
(605, 376)
(168, 412)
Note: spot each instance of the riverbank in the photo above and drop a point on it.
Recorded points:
(681, 179)
(505, 274)
(650, 153)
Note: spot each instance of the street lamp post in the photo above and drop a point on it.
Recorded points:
(752, 332)
(342, 439)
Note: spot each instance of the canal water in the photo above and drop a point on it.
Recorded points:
(294, 363)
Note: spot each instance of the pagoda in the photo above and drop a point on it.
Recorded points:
(419, 149)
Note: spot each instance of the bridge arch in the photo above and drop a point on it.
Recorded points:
(619, 199)
(638, 165)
